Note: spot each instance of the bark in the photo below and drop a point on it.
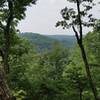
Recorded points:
(7, 36)
(80, 95)
(80, 89)
(4, 90)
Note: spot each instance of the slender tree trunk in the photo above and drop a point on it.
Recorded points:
(87, 67)
(80, 89)
(80, 95)
(79, 36)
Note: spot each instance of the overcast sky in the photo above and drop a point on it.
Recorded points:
(42, 17)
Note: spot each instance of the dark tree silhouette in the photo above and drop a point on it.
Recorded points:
(75, 19)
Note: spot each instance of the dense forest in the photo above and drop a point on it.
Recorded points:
(43, 43)
(37, 67)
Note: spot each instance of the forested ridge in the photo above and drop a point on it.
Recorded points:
(46, 42)
(55, 70)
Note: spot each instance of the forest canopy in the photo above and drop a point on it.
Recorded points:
(36, 67)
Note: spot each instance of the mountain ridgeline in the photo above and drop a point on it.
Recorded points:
(46, 42)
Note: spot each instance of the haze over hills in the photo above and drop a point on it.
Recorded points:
(66, 40)
(46, 42)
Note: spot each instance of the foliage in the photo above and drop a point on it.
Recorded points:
(76, 19)
(57, 73)
(46, 42)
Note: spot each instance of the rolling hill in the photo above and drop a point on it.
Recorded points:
(46, 42)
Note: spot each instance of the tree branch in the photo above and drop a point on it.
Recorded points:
(76, 33)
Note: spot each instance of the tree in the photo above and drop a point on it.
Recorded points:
(97, 26)
(46, 75)
(21, 59)
(92, 44)
(75, 75)
(75, 18)
(11, 12)
(76, 79)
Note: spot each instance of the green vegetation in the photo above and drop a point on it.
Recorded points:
(47, 42)
(56, 72)
(66, 40)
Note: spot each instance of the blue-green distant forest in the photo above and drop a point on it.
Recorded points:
(50, 67)
(47, 42)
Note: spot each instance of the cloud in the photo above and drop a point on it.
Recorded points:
(42, 17)
(53, 1)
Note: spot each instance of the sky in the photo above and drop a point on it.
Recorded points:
(42, 17)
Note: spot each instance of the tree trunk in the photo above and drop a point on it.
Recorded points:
(80, 95)
(4, 90)
(79, 37)
(87, 67)
(7, 35)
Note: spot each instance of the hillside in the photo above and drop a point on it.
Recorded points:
(46, 42)
(67, 40)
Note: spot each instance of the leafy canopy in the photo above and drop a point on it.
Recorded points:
(71, 16)
(18, 9)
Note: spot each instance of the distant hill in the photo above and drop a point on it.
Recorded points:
(41, 42)
(46, 42)
(67, 40)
